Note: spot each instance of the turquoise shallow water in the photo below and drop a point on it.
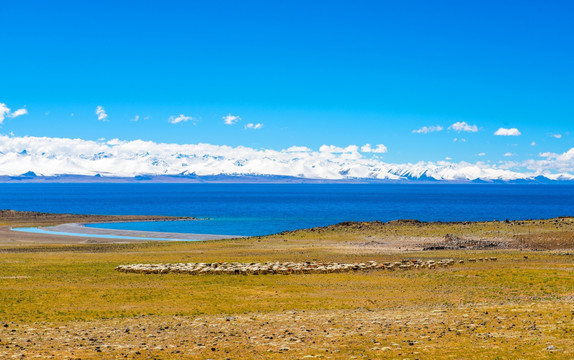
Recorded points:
(258, 209)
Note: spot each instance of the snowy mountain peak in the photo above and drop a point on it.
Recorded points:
(29, 156)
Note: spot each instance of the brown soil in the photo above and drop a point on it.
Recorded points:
(454, 242)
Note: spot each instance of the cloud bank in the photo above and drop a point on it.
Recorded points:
(57, 156)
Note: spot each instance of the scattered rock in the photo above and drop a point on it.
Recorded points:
(453, 242)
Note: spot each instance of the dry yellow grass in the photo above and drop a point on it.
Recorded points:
(67, 301)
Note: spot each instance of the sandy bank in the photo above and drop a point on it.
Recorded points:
(82, 230)
(70, 229)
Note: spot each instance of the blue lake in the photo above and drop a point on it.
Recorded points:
(258, 209)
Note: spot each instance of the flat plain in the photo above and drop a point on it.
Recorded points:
(61, 297)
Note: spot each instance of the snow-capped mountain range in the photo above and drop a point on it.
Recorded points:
(49, 157)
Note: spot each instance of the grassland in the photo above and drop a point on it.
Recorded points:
(66, 300)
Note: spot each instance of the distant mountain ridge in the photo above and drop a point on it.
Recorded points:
(41, 159)
(30, 177)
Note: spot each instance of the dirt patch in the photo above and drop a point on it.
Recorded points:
(454, 242)
(546, 241)
(388, 244)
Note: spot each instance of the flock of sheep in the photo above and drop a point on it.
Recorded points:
(284, 268)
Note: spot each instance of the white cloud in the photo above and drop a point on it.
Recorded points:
(138, 118)
(298, 149)
(379, 149)
(6, 113)
(115, 141)
(553, 162)
(533, 143)
(507, 132)
(18, 112)
(567, 156)
(463, 126)
(230, 119)
(180, 118)
(254, 126)
(101, 112)
(557, 136)
(508, 154)
(338, 150)
(428, 129)
(481, 154)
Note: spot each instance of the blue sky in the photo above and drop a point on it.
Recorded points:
(310, 73)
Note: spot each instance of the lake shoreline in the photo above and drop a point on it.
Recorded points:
(80, 230)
